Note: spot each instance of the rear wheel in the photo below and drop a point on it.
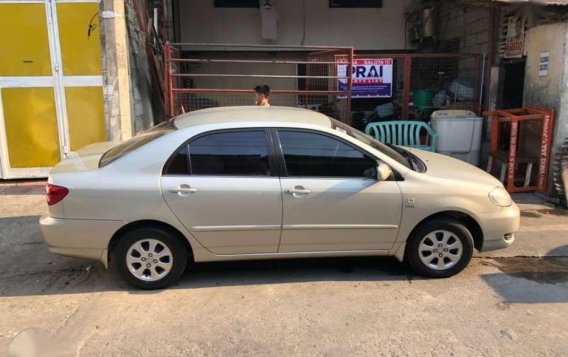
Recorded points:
(150, 258)
(439, 248)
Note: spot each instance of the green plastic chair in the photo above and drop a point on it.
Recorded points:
(403, 133)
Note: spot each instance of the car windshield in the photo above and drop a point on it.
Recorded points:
(391, 152)
(139, 140)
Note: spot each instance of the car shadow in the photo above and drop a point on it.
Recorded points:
(203, 275)
(28, 268)
(87, 277)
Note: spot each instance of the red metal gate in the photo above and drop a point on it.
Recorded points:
(201, 76)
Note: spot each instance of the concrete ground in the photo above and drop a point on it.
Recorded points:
(507, 303)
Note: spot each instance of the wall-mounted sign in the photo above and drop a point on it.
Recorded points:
(543, 64)
(515, 40)
(372, 78)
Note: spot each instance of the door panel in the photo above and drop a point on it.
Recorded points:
(340, 214)
(31, 126)
(332, 201)
(220, 187)
(80, 38)
(85, 115)
(229, 215)
(24, 44)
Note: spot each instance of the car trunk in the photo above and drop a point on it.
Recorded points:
(85, 159)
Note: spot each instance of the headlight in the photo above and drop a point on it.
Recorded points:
(500, 197)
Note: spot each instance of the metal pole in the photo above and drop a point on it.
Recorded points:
(406, 88)
(251, 76)
(224, 45)
(482, 80)
(205, 60)
(169, 80)
(349, 84)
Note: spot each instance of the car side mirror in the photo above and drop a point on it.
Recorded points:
(383, 172)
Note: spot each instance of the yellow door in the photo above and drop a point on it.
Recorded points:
(27, 93)
(24, 40)
(79, 35)
(31, 127)
(47, 110)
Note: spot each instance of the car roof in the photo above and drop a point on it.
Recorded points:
(248, 114)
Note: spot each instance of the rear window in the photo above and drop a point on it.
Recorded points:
(139, 140)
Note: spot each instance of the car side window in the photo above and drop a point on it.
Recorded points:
(179, 162)
(318, 155)
(233, 153)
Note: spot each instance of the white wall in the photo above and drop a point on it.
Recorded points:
(376, 29)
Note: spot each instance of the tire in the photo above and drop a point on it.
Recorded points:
(150, 258)
(439, 248)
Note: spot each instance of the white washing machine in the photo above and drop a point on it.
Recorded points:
(459, 134)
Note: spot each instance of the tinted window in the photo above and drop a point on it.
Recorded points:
(230, 153)
(316, 155)
(179, 163)
(368, 140)
(125, 147)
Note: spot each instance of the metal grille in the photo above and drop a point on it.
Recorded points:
(423, 83)
(448, 82)
(200, 76)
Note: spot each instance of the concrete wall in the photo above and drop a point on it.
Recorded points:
(549, 91)
(361, 28)
(544, 91)
(143, 103)
(469, 24)
(116, 78)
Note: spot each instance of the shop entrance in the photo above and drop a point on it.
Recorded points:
(513, 83)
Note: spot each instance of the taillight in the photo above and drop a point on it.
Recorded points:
(54, 194)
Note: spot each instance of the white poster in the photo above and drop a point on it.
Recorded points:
(372, 77)
(543, 64)
(515, 37)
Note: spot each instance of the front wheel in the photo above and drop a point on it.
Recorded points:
(440, 248)
(150, 258)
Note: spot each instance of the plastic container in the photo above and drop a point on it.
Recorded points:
(459, 134)
(462, 89)
(422, 98)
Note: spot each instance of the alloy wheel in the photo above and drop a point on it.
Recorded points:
(440, 250)
(149, 259)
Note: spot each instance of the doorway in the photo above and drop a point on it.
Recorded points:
(513, 81)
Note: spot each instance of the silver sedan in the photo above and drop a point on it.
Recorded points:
(247, 183)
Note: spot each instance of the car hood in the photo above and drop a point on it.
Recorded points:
(84, 159)
(446, 167)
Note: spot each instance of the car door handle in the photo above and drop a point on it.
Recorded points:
(183, 189)
(298, 191)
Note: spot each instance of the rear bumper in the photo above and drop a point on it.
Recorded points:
(499, 228)
(79, 237)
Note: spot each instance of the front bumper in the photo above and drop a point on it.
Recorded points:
(499, 227)
(82, 238)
